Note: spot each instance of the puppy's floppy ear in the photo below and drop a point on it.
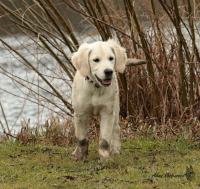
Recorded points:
(120, 55)
(80, 60)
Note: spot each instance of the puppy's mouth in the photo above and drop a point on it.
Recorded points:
(104, 82)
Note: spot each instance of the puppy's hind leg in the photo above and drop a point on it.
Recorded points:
(81, 132)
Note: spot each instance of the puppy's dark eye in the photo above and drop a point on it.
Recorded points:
(111, 58)
(96, 60)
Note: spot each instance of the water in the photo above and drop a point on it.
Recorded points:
(15, 98)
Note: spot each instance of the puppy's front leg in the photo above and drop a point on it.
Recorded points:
(81, 132)
(106, 129)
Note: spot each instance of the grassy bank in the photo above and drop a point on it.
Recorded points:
(144, 163)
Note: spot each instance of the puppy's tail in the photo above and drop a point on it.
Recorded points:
(135, 62)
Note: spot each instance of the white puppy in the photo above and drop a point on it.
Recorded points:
(95, 92)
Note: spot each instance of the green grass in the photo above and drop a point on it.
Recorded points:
(144, 163)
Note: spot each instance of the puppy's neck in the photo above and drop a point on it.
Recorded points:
(92, 82)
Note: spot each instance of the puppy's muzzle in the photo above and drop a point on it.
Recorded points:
(108, 78)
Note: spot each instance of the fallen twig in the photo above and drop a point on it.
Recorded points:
(9, 134)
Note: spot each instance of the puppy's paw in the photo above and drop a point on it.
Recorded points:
(104, 155)
(78, 154)
(115, 151)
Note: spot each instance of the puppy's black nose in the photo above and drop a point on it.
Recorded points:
(108, 72)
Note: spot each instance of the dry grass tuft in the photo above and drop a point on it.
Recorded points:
(60, 133)
(55, 132)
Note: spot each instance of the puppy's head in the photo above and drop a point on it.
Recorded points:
(99, 60)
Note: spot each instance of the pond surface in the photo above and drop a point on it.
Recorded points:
(18, 102)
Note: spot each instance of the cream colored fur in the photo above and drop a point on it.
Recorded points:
(103, 101)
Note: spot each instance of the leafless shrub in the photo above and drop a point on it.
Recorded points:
(163, 97)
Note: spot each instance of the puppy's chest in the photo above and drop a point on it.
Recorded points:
(99, 102)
